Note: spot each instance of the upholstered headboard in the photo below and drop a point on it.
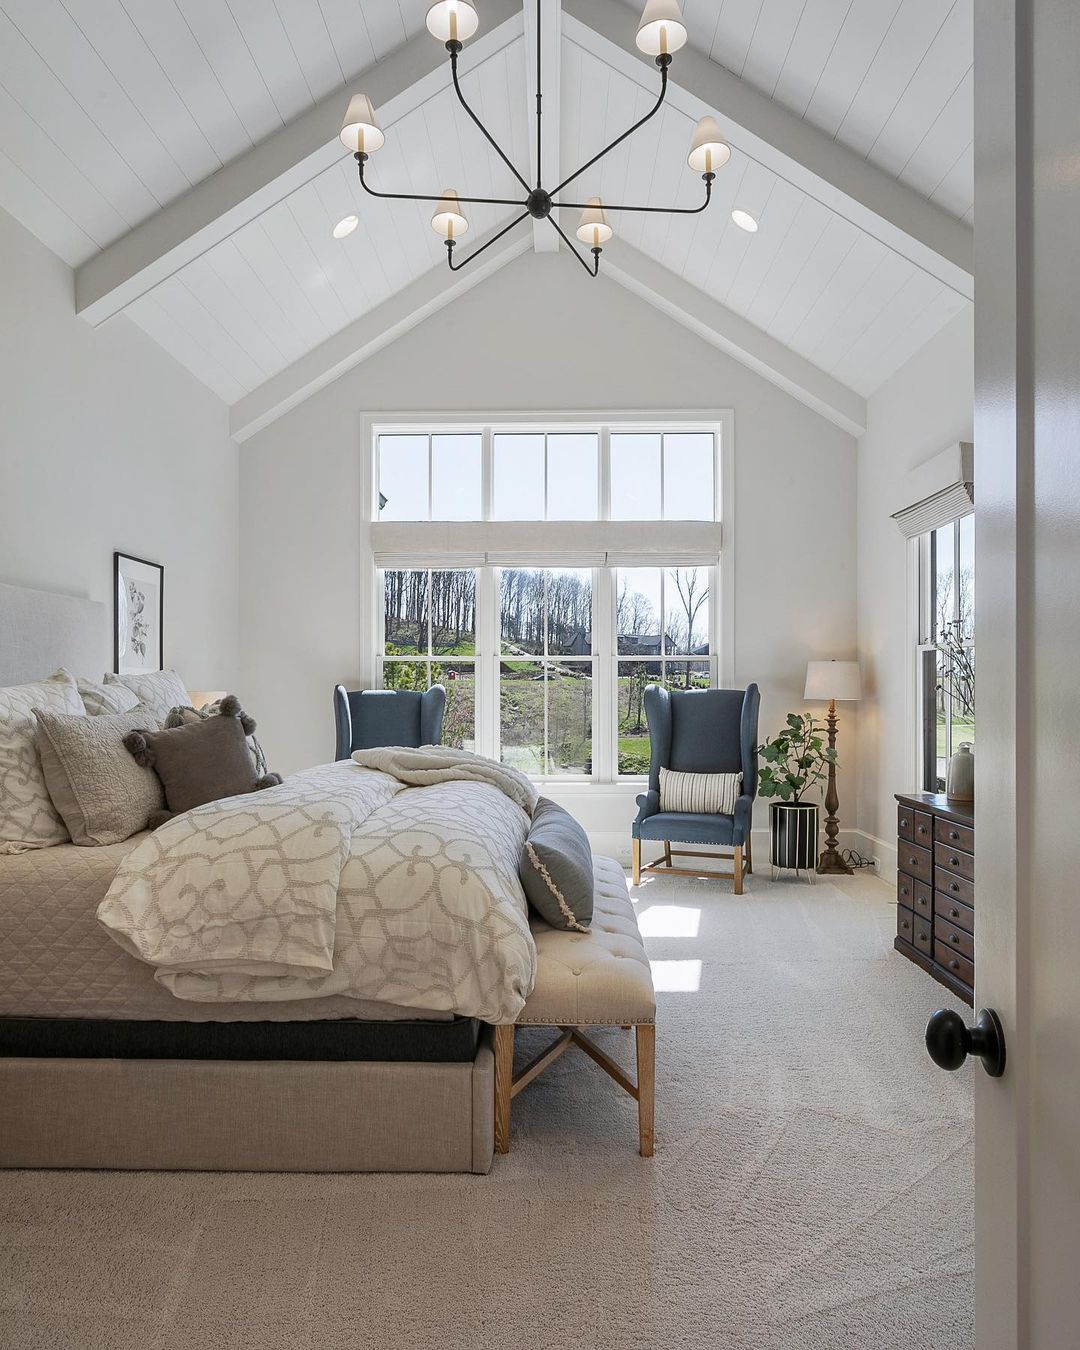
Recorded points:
(41, 631)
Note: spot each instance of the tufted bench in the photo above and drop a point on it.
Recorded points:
(600, 978)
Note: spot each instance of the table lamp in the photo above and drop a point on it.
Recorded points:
(836, 681)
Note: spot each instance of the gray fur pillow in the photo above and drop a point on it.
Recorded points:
(202, 761)
(556, 868)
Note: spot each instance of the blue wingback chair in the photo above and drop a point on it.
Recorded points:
(700, 731)
(367, 718)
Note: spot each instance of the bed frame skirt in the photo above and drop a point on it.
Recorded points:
(248, 1116)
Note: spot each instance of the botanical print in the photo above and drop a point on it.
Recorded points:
(138, 615)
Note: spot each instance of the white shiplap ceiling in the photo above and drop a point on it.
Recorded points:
(891, 79)
(110, 110)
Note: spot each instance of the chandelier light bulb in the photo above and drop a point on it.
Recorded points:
(452, 20)
(448, 222)
(360, 131)
(345, 227)
(593, 228)
(661, 31)
(708, 150)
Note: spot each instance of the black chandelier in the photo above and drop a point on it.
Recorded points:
(660, 34)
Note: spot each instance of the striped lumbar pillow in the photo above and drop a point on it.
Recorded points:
(709, 794)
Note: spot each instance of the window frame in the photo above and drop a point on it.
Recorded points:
(925, 620)
(604, 661)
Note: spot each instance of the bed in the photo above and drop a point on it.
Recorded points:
(101, 1066)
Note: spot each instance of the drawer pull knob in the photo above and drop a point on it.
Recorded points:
(949, 1041)
(954, 964)
(953, 886)
(954, 939)
(954, 913)
(954, 835)
(913, 862)
(954, 862)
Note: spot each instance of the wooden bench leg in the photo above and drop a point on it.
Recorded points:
(646, 1084)
(504, 1085)
(738, 869)
(635, 853)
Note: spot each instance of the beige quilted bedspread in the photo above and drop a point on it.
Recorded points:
(340, 882)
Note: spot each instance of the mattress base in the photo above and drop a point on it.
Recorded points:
(248, 1116)
(334, 1039)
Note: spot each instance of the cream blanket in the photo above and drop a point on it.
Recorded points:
(341, 881)
(429, 764)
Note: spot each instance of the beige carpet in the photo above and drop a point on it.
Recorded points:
(811, 1188)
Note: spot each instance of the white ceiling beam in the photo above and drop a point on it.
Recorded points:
(738, 337)
(546, 169)
(880, 205)
(247, 186)
(362, 338)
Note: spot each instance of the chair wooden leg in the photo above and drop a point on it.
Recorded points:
(667, 852)
(504, 1085)
(749, 854)
(646, 1081)
(738, 869)
(635, 852)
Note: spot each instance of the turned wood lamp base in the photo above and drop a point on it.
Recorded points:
(831, 864)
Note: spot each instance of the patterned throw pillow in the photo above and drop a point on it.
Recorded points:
(100, 700)
(28, 818)
(103, 796)
(157, 690)
(707, 794)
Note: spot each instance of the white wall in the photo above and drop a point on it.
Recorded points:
(537, 336)
(107, 443)
(926, 406)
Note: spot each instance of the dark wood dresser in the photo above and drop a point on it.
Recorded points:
(935, 888)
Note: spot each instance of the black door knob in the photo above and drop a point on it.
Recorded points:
(950, 1042)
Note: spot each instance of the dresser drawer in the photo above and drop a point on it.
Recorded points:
(924, 935)
(905, 823)
(954, 963)
(955, 836)
(923, 902)
(956, 888)
(954, 912)
(954, 938)
(912, 893)
(924, 829)
(916, 861)
(955, 860)
(905, 924)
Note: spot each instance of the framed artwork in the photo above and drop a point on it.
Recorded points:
(138, 589)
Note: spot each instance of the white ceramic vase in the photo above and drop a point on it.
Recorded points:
(960, 779)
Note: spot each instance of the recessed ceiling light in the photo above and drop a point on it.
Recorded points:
(744, 220)
(347, 224)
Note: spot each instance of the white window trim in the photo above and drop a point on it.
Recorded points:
(722, 615)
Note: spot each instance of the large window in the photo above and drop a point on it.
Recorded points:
(946, 646)
(544, 634)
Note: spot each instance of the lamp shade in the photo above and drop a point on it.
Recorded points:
(452, 20)
(708, 150)
(661, 31)
(360, 131)
(841, 680)
(201, 697)
(593, 228)
(448, 222)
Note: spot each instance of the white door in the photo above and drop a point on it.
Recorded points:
(1027, 445)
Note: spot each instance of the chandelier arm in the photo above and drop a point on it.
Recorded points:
(490, 139)
(663, 210)
(595, 268)
(494, 239)
(629, 132)
(423, 197)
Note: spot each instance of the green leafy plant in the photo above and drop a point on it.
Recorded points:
(795, 759)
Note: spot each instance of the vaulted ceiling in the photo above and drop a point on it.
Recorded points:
(181, 155)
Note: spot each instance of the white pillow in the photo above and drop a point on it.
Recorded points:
(708, 794)
(28, 818)
(158, 690)
(103, 700)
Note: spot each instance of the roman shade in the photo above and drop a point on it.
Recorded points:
(940, 489)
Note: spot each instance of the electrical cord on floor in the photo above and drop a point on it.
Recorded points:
(854, 858)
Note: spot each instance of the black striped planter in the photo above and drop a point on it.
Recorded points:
(793, 834)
